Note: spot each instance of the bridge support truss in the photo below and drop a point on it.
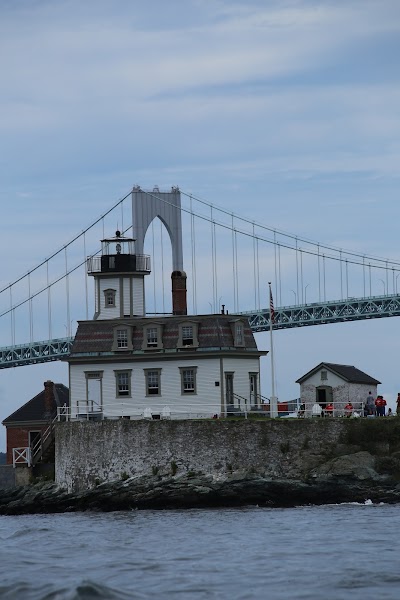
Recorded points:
(352, 309)
(37, 352)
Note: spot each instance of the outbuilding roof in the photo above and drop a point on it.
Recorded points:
(35, 410)
(347, 372)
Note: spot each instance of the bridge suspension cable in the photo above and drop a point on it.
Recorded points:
(291, 259)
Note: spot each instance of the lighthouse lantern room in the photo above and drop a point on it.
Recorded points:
(119, 279)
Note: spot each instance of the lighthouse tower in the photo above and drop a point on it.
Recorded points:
(119, 279)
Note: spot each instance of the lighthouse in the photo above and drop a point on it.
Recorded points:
(119, 279)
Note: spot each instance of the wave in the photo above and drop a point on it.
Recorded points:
(86, 590)
(27, 532)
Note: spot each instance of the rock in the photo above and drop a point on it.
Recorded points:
(338, 480)
(360, 465)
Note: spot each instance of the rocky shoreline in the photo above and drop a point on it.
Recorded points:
(350, 478)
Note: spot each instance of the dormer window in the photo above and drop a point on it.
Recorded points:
(109, 298)
(239, 334)
(237, 328)
(188, 335)
(122, 338)
(152, 337)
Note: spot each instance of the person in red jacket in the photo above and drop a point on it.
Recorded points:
(380, 404)
(348, 409)
(329, 410)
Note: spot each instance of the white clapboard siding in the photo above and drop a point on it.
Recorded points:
(241, 379)
(112, 312)
(138, 296)
(206, 401)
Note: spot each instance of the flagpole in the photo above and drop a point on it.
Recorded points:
(274, 400)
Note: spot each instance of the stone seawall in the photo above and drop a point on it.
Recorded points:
(89, 454)
(124, 465)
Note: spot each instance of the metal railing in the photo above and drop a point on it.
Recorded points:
(334, 409)
(83, 410)
(142, 263)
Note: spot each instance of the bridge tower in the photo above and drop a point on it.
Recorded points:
(119, 279)
(146, 206)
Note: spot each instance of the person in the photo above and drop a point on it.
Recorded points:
(301, 411)
(390, 413)
(383, 406)
(329, 409)
(369, 405)
(398, 404)
(380, 404)
(348, 409)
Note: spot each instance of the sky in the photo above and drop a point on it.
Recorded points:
(286, 112)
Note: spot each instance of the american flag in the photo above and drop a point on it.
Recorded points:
(271, 306)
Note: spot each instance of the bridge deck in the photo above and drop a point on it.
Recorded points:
(285, 317)
(351, 309)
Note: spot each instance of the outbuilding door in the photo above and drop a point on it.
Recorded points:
(324, 395)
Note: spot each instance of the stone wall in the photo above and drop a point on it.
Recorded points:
(356, 393)
(10, 477)
(89, 453)
(7, 476)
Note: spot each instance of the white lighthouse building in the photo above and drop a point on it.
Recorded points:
(119, 279)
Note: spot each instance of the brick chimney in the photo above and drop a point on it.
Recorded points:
(48, 398)
(179, 305)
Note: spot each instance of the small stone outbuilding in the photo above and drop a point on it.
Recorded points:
(336, 384)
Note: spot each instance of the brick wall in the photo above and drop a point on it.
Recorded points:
(18, 437)
(179, 302)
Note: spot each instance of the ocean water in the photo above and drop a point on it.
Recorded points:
(322, 553)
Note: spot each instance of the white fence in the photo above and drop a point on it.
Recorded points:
(334, 409)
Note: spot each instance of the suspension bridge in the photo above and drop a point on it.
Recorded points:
(228, 259)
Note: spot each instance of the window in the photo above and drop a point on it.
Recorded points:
(188, 335)
(152, 337)
(109, 298)
(123, 383)
(153, 382)
(324, 375)
(239, 334)
(94, 374)
(237, 328)
(122, 338)
(188, 380)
